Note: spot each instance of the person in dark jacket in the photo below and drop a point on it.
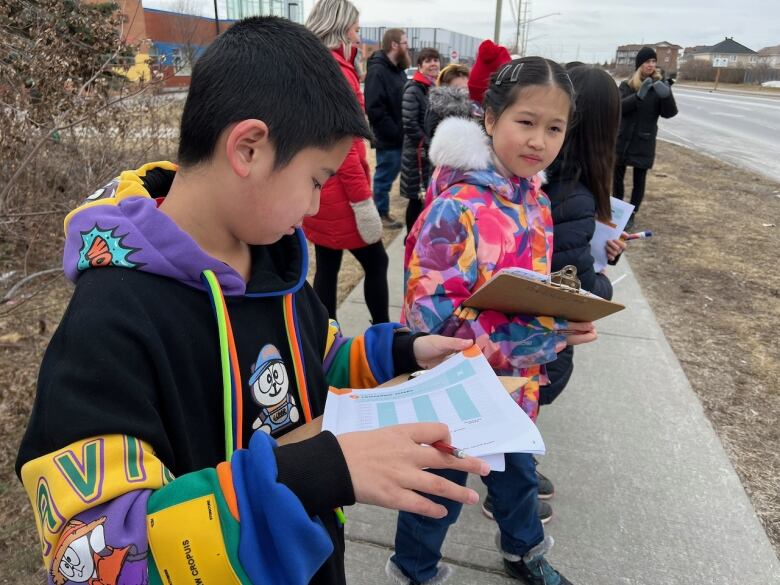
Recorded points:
(415, 168)
(150, 454)
(384, 90)
(578, 188)
(645, 97)
(450, 97)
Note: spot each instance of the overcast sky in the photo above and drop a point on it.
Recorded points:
(590, 30)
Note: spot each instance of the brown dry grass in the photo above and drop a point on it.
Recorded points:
(710, 273)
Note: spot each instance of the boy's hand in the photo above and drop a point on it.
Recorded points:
(579, 333)
(430, 350)
(387, 468)
(615, 248)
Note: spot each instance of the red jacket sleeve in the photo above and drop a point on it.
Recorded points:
(354, 173)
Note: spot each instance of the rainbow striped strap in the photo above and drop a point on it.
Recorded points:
(232, 399)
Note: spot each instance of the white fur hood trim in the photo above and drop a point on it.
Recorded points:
(461, 144)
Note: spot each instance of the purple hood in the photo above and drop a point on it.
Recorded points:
(120, 225)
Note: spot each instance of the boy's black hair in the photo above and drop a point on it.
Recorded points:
(511, 79)
(426, 55)
(270, 69)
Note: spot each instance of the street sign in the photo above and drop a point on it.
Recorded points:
(719, 62)
(454, 57)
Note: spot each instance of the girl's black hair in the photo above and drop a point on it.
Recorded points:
(274, 70)
(507, 83)
(588, 155)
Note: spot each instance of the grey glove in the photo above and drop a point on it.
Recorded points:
(662, 89)
(369, 224)
(644, 88)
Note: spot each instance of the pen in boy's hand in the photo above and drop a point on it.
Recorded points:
(638, 236)
(445, 448)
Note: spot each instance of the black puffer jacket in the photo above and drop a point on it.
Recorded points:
(415, 168)
(574, 221)
(444, 102)
(384, 91)
(639, 126)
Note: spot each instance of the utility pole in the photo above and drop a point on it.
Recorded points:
(497, 32)
(216, 17)
(518, 42)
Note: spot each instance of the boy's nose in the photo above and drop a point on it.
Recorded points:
(315, 205)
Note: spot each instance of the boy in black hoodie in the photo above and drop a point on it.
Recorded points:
(193, 340)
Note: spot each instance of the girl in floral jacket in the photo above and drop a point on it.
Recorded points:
(488, 213)
(484, 218)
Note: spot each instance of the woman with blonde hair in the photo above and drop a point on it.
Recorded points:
(348, 218)
(645, 97)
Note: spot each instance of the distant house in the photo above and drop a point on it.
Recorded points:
(739, 56)
(689, 53)
(667, 53)
(770, 56)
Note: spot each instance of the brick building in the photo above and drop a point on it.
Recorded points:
(668, 56)
(169, 42)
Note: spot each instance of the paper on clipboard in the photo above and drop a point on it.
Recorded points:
(463, 392)
(621, 213)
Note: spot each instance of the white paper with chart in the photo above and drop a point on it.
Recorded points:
(621, 213)
(463, 393)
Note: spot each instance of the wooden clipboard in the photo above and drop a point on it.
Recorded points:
(313, 428)
(561, 297)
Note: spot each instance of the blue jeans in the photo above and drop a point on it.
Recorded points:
(418, 539)
(388, 165)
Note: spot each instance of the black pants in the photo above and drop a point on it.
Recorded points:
(413, 210)
(638, 192)
(373, 259)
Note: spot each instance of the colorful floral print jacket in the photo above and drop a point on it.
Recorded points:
(477, 223)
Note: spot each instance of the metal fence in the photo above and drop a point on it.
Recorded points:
(445, 41)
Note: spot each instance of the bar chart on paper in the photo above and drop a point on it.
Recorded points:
(448, 404)
(441, 398)
(462, 393)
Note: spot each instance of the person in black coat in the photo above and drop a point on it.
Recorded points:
(450, 97)
(644, 97)
(578, 187)
(415, 167)
(384, 90)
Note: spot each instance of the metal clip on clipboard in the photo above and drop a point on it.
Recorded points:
(566, 279)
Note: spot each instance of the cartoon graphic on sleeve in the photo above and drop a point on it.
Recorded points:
(102, 247)
(270, 389)
(82, 555)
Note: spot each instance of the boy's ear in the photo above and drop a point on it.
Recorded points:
(247, 143)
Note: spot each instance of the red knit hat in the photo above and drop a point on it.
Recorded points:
(490, 57)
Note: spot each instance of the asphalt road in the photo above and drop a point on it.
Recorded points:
(739, 128)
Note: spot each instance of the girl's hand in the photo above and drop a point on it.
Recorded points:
(430, 350)
(615, 248)
(579, 333)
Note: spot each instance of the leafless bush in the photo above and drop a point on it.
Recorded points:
(69, 121)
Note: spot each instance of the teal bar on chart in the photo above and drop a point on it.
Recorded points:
(462, 403)
(423, 407)
(386, 414)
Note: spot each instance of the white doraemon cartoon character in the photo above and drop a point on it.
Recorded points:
(270, 386)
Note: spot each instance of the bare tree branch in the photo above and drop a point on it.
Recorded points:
(13, 290)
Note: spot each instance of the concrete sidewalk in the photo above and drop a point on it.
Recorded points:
(645, 494)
